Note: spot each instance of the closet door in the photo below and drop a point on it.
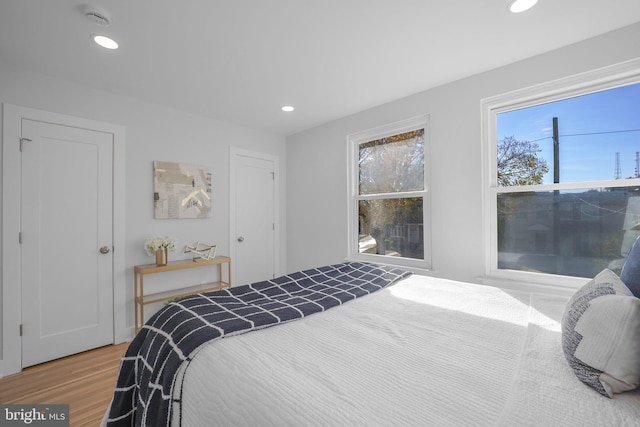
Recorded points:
(66, 235)
(253, 212)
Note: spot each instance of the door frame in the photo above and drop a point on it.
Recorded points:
(234, 153)
(11, 280)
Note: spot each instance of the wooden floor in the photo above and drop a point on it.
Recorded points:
(84, 381)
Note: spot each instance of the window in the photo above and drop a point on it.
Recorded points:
(388, 220)
(563, 172)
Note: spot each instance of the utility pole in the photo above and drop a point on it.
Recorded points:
(556, 152)
(556, 196)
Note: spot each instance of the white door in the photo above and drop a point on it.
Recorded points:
(66, 234)
(254, 235)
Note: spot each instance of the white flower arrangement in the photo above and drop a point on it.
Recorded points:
(162, 242)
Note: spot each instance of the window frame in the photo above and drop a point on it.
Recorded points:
(353, 143)
(601, 79)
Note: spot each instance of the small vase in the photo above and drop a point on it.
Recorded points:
(161, 256)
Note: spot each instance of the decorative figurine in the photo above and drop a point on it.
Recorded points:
(201, 251)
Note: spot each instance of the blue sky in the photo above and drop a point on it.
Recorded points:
(592, 129)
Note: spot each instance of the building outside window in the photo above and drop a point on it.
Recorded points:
(388, 220)
(563, 167)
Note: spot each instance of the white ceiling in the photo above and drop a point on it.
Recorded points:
(241, 60)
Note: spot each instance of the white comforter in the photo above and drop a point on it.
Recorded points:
(424, 352)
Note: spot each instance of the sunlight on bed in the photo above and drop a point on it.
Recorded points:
(487, 302)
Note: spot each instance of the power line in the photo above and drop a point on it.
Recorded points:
(588, 134)
(603, 133)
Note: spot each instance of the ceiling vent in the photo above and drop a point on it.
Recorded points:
(100, 17)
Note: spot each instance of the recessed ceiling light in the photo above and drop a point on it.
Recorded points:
(105, 42)
(288, 108)
(518, 6)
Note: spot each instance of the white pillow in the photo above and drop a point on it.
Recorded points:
(601, 335)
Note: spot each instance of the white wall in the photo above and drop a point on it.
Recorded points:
(153, 133)
(317, 176)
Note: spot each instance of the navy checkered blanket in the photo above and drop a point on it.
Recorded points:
(144, 393)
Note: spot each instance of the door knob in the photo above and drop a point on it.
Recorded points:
(104, 250)
(240, 239)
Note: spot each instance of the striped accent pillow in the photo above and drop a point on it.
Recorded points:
(601, 335)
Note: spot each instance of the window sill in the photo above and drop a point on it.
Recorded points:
(533, 282)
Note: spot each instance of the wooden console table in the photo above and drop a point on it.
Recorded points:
(139, 271)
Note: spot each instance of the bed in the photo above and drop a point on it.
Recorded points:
(395, 349)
